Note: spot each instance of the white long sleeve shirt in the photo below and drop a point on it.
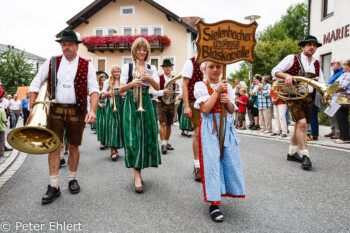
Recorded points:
(288, 61)
(65, 92)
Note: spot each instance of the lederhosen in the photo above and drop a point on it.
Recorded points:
(302, 108)
(140, 130)
(197, 76)
(70, 117)
(220, 177)
(165, 111)
(114, 122)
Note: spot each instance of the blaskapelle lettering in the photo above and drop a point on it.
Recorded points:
(223, 56)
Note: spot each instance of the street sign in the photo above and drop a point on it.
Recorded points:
(226, 42)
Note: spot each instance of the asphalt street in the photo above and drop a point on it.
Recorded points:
(281, 196)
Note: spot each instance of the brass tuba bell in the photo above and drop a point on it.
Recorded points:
(35, 138)
(300, 89)
(169, 85)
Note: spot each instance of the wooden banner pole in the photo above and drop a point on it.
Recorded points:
(222, 118)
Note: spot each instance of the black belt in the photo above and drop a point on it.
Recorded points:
(66, 105)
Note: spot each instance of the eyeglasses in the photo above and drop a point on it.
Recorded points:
(142, 50)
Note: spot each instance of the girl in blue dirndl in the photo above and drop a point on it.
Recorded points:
(220, 176)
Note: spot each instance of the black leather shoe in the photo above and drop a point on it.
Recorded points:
(169, 147)
(73, 186)
(306, 162)
(62, 162)
(295, 157)
(8, 149)
(164, 149)
(51, 194)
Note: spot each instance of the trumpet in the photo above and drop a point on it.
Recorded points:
(116, 90)
(111, 87)
(137, 91)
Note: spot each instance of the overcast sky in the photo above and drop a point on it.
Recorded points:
(31, 25)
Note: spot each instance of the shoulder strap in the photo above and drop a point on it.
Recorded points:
(130, 73)
(53, 77)
(301, 65)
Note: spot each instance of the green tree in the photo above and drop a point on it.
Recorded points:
(15, 70)
(277, 41)
(269, 54)
(295, 21)
(242, 73)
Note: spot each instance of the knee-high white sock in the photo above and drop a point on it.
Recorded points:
(54, 181)
(304, 152)
(292, 149)
(72, 176)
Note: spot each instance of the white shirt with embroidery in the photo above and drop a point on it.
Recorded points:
(65, 92)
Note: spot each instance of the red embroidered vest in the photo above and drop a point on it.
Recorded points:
(295, 69)
(80, 82)
(217, 105)
(197, 76)
(162, 84)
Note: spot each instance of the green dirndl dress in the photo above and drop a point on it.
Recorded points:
(140, 133)
(113, 126)
(154, 103)
(101, 122)
(185, 123)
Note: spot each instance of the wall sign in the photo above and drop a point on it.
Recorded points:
(336, 34)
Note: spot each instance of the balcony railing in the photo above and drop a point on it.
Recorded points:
(121, 43)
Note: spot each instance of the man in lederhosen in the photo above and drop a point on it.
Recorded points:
(165, 111)
(75, 76)
(191, 74)
(302, 64)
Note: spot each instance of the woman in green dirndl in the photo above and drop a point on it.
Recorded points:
(184, 123)
(100, 114)
(114, 112)
(140, 128)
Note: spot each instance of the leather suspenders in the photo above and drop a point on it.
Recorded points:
(53, 77)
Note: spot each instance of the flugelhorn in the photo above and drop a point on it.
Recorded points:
(169, 85)
(300, 89)
(35, 137)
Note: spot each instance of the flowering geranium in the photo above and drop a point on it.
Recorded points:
(127, 39)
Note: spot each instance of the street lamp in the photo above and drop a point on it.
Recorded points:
(251, 18)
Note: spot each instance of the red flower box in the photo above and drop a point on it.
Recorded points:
(127, 39)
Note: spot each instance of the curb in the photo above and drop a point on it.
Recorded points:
(8, 162)
(287, 139)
